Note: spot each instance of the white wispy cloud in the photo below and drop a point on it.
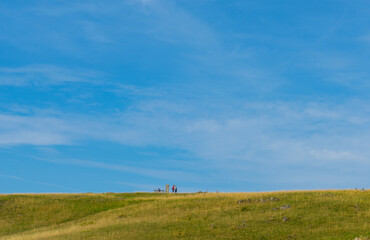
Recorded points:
(41, 75)
(125, 89)
(149, 172)
(48, 184)
(173, 24)
(258, 132)
(364, 38)
(338, 68)
(10, 177)
(231, 66)
(33, 130)
(50, 75)
(160, 21)
(67, 8)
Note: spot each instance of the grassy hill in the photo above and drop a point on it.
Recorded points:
(272, 215)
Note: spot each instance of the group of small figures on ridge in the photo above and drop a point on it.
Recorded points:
(174, 189)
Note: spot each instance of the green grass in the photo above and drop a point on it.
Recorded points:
(312, 215)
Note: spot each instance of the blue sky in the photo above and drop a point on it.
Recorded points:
(224, 95)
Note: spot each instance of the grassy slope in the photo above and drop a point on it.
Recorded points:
(313, 215)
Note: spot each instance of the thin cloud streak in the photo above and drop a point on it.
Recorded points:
(37, 182)
(42, 75)
(155, 173)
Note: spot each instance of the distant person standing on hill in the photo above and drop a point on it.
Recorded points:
(176, 189)
(173, 188)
